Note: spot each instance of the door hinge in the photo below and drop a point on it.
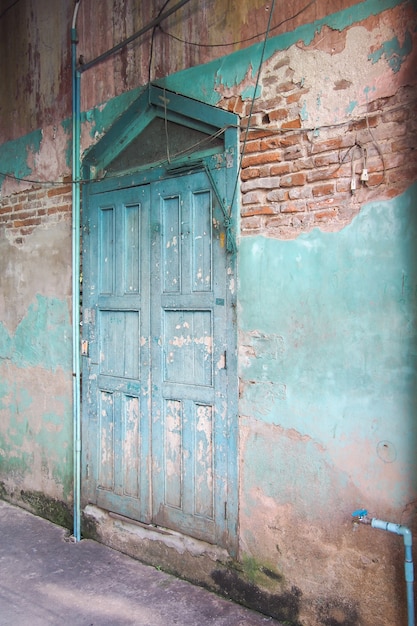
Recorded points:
(225, 360)
(225, 510)
(84, 347)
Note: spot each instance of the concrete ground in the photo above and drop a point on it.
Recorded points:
(47, 579)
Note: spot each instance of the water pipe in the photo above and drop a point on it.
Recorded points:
(76, 71)
(76, 381)
(361, 516)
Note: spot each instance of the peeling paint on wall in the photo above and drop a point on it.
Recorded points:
(394, 53)
(343, 306)
(231, 71)
(14, 155)
(326, 320)
(36, 434)
(43, 336)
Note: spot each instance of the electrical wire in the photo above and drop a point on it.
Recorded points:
(153, 38)
(379, 150)
(8, 8)
(258, 75)
(87, 65)
(235, 43)
(271, 130)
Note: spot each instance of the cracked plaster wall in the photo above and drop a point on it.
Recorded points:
(326, 323)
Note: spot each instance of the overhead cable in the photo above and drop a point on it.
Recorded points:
(235, 43)
(152, 24)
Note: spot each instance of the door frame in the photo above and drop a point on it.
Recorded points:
(157, 102)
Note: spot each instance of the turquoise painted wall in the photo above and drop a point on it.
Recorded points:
(35, 400)
(329, 354)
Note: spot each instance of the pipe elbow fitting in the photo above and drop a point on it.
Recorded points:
(408, 535)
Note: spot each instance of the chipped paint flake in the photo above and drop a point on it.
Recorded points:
(393, 52)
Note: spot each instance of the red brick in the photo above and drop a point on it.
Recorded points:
(264, 171)
(356, 125)
(336, 143)
(253, 197)
(295, 193)
(280, 169)
(294, 152)
(278, 195)
(59, 191)
(278, 115)
(34, 221)
(259, 159)
(257, 210)
(321, 205)
(343, 185)
(253, 146)
(293, 180)
(296, 206)
(289, 140)
(320, 174)
(292, 124)
(249, 172)
(303, 164)
(294, 97)
(326, 159)
(325, 215)
(252, 223)
(267, 105)
(59, 209)
(323, 190)
(24, 215)
(255, 134)
(270, 143)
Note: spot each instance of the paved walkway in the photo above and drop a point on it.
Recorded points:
(45, 579)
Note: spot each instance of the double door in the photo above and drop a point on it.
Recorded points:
(156, 356)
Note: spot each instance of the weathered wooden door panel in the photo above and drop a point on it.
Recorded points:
(156, 422)
(188, 374)
(116, 326)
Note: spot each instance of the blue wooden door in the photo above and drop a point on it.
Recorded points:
(116, 323)
(157, 424)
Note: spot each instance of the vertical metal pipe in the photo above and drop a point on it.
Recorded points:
(76, 80)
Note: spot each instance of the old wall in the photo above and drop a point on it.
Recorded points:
(327, 407)
(326, 294)
(35, 350)
(326, 307)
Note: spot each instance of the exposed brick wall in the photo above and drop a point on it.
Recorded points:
(22, 212)
(293, 180)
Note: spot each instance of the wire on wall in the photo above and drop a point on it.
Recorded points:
(153, 39)
(156, 23)
(8, 8)
(240, 41)
(258, 75)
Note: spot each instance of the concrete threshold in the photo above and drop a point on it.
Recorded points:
(48, 579)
